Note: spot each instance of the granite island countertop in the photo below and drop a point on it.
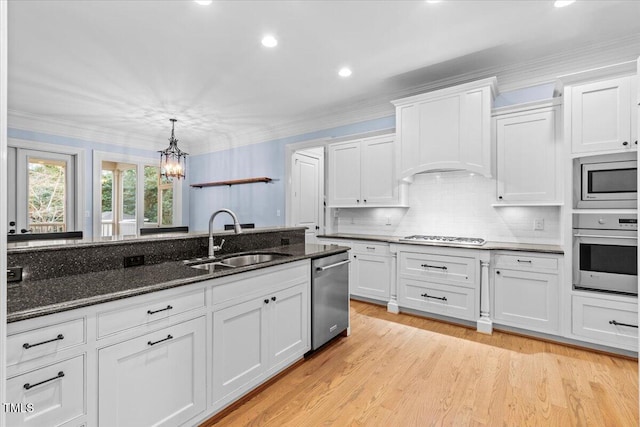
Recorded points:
(489, 245)
(34, 298)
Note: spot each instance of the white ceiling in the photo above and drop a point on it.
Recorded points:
(129, 66)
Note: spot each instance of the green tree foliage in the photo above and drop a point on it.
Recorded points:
(47, 194)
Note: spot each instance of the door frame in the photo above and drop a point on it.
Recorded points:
(289, 150)
(3, 202)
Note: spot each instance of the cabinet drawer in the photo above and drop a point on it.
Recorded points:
(526, 261)
(593, 318)
(113, 321)
(371, 248)
(448, 300)
(337, 242)
(45, 341)
(49, 396)
(440, 268)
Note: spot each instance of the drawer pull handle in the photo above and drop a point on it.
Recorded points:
(371, 247)
(158, 311)
(28, 346)
(444, 267)
(431, 296)
(169, 337)
(528, 261)
(613, 322)
(28, 386)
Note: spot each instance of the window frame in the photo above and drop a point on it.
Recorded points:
(140, 162)
(77, 207)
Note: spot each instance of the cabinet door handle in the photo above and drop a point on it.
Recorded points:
(431, 296)
(28, 346)
(365, 200)
(27, 386)
(158, 311)
(266, 301)
(169, 337)
(528, 261)
(625, 143)
(444, 267)
(497, 272)
(613, 322)
(273, 298)
(500, 197)
(358, 201)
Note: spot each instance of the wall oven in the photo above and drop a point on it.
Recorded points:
(605, 253)
(608, 184)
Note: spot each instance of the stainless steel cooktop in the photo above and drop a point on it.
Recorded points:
(444, 239)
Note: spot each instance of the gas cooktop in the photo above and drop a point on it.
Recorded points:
(444, 239)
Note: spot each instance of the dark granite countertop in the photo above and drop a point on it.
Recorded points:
(489, 245)
(34, 298)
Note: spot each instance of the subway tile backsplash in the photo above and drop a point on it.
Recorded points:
(454, 203)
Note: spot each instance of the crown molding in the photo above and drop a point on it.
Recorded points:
(510, 77)
(64, 128)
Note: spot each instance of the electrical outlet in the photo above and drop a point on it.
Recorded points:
(538, 224)
(133, 261)
(388, 221)
(277, 212)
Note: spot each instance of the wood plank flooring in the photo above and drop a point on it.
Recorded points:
(401, 370)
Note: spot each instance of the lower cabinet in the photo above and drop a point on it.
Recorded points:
(526, 299)
(370, 276)
(49, 396)
(257, 337)
(526, 291)
(605, 321)
(157, 379)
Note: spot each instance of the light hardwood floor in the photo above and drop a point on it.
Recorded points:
(401, 370)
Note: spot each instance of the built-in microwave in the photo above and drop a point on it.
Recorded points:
(608, 184)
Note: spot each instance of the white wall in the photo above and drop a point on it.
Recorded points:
(455, 203)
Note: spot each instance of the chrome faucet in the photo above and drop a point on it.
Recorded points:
(236, 227)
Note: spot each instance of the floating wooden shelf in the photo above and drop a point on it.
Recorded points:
(233, 182)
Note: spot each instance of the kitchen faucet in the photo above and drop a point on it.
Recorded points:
(236, 227)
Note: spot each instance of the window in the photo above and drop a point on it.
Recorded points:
(42, 193)
(129, 194)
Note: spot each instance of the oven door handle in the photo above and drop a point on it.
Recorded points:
(601, 236)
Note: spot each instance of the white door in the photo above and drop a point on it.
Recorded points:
(344, 174)
(378, 178)
(527, 156)
(289, 319)
(158, 379)
(239, 348)
(600, 116)
(306, 195)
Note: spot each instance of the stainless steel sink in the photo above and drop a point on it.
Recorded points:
(250, 259)
(233, 261)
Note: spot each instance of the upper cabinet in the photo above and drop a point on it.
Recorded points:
(528, 154)
(446, 129)
(362, 174)
(603, 116)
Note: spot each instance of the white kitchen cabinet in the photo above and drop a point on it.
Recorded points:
(445, 129)
(52, 395)
(442, 281)
(528, 153)
(605, 321)
(526, 291)
(371, 271)
(603, 115)
(156, 379)
(257, 337)
(362, 174)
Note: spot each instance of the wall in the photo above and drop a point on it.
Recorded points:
(89, 147)
(454, 203)
(262, 204)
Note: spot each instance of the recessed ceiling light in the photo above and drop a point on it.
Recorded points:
(269, 41)
(204, 2)
(344, 72)
(563, 3)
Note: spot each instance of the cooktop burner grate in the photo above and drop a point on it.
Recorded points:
(444, 239)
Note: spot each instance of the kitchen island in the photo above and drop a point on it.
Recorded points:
(157, 343)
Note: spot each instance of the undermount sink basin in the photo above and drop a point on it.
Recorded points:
(233, 261)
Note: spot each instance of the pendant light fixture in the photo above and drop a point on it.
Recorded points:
(172, 159)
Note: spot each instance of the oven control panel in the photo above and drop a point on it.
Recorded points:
(606, 221)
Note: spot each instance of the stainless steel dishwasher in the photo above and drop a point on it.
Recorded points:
(329, 298)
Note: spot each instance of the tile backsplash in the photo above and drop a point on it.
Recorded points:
(454, 203)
